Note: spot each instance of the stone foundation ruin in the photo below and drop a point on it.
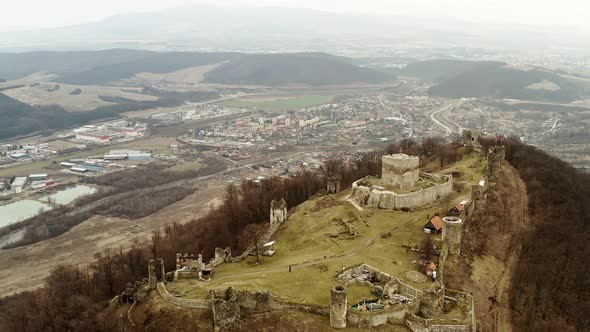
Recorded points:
(402, 185)
(193, 267)
(397, 303)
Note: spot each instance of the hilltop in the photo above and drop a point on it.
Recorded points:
(300, 68)
(113, 66)
(457, 79)
(499, 266)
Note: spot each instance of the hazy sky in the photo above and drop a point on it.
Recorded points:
(27, 14)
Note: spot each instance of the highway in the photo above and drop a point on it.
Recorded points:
(434, 114)
(440, 118)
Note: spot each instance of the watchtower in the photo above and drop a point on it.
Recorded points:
(471, 137)
(338, 307)
(400, 170)
(333, 186)
(156, 272)
(496, 156)
(278, 212)
(452, 233)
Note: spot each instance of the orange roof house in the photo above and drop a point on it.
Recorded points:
(435, 225)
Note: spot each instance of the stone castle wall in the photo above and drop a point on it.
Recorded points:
(418, 324)
(186, 303)
(372, 319)
(389, 200)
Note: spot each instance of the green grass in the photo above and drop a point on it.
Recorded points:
(305, 243)
(286, 104)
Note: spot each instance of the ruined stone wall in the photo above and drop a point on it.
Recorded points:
(114, 302)
(263, 301)
(389, 200)
(372, 319)
(130, 314)
(278, 212)
(432, 301)
(186, 303)
(333, 185)
(418, 324)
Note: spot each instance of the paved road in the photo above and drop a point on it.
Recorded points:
(435, 114)
(380, 98)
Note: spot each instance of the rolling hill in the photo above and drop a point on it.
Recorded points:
(300, 68)
(456, 79)
(108, 66)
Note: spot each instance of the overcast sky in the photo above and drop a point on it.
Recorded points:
(30, 14)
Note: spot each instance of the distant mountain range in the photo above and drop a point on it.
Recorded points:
(456, 79)
(106, 67)
(242, 28)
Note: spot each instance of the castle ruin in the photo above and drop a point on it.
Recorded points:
(400, 171)
(471, 138)
(338, 307)
(333, 185)
(278, 212)
(452, 234)
(402, 185)
(156, 272)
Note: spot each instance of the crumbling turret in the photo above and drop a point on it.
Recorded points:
(226, 311)
(471, 137)
(156, 267)
(496, 157)
(152, 280)
(452, 233)
(338, 307)
(333, 186)
(432, 301)
(278, 212)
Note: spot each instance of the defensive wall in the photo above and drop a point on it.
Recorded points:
(389, 200)
(185, 303)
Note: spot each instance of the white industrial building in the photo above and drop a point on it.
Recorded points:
(92, 136)
(19, 183)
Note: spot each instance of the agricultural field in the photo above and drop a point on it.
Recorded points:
(277, 103)
(191, 75)
(72, 98)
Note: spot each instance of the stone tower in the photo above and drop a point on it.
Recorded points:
(400, 170)
(452, 233)
(333, 185)
(152, 279)
(338, 307)
(496, 156)
(162, 269)
(471, 137)
(278, 212)
(478, 195)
